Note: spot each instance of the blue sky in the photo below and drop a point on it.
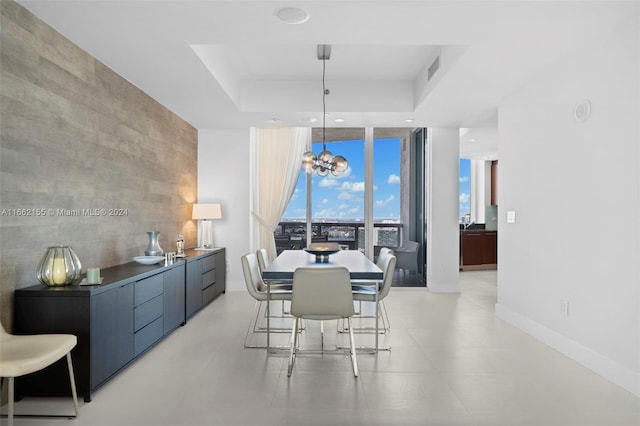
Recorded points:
(465, 186)
(343, 197)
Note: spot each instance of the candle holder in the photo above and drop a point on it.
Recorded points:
(59, 266)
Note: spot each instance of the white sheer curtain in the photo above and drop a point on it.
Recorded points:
(276, 158)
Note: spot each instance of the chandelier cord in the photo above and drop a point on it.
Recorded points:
(324, 104)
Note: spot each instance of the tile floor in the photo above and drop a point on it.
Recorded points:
(451, 363)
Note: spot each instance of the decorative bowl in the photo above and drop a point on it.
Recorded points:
(321, 254)
(148, 260)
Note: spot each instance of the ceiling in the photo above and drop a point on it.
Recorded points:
(234, 64)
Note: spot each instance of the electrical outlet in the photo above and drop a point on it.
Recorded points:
(565, 307)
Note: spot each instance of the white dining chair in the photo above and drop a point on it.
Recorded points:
(321, 294)
(20, 355)
(365, 286)
(263, 263)
(374, 294)
(258, 290)
(407, 256)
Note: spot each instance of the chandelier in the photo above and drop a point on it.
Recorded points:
(325, 162)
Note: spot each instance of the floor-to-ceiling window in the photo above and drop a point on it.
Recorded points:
(338, 203)
(465, 191)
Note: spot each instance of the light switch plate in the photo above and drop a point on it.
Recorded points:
(511, 216)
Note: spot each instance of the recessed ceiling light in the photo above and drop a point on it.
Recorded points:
(339, 120)
(472, 140)
(292, 15)
(408, 120)
(274, 120)
(309, 120)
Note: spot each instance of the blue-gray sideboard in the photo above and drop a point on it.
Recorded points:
(134, 308)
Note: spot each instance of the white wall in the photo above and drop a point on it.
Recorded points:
(443, 206)
(575, 190)
(223, 176)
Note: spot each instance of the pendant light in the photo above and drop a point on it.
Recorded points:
(325, 162)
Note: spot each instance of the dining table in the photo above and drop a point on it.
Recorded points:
(361, 270)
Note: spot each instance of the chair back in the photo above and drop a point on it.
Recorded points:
(388, 266)
(384, 252)
(325, 245)
(263, 259)
(407, 255)
(252, 276)
(322, 293)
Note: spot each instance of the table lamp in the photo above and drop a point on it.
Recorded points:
(206, 212)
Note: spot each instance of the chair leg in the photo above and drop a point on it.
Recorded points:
(354, 361)
(294, 342)
(251, 323)
(385, 316)
(11, 396)
(10, 402)
(73, 383)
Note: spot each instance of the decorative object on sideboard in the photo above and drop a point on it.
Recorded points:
(325, 162)
(149, 260)
(180, 246)
(93, 275)
(59, 266)
(154, 248)
(206, 212)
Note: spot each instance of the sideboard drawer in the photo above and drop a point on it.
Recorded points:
(147, 336)
(208, 294)
(148, 311)
(208, 278)
(208, 263)
(148, 288)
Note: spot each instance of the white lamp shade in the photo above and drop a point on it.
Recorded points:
(206, 211)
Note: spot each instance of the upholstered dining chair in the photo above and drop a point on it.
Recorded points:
(20, 355)
(258, 290)
(321, 294)
(407, 256)
(366, 286)
(367, 293)
(263, 263)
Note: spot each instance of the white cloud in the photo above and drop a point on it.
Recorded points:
(393, 179)
(325, 201)
(386, 201)
(354, 210)
(328, 183)
(464, 198)
(352, 186)
(464, 179)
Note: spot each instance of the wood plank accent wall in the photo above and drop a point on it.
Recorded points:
(75, 135)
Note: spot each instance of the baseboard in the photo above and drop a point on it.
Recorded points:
(607, 368)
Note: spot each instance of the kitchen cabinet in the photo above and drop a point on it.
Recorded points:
(478, 249)
(135, 307)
